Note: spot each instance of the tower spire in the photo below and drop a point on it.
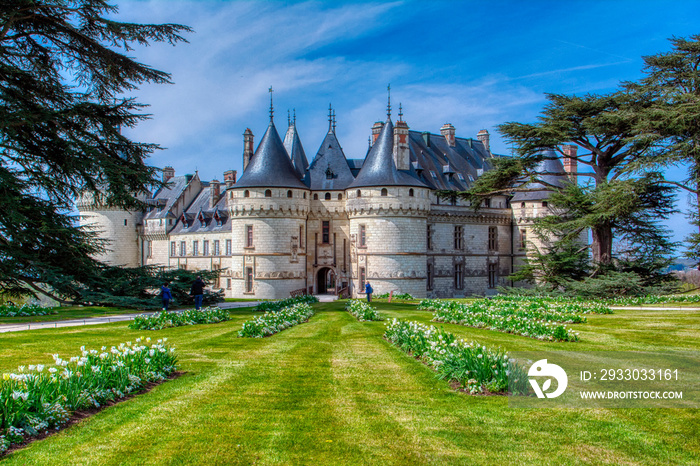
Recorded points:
(388, 105)
(330, 118)
(272, 110)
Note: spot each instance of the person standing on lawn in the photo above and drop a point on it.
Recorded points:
(369, 291)
(197, 291)
(166, 295)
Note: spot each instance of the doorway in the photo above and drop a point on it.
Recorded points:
(325, 281)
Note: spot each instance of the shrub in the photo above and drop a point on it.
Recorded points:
(12, 310)
(209, 315)
(275, 321)
(267, 306)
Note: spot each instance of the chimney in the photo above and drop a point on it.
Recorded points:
(230, 178)
(448, 131)
(247, 147)
(168, 172)
(401, 152)
(376, 129)
(485, 139)
(570, 162)
(215, 193)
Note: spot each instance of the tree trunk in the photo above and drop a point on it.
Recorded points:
(697, 205)
(601, 246)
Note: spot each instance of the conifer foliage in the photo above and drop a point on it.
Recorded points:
(64, 80)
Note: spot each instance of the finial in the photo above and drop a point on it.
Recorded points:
(400, 112)
(369, 142)
(289, 119)
(334, 121)
(295, 117)
(330, 117)
(388, 105)
(272, 110)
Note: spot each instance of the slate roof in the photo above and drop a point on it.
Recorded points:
(330, 170)
(379, 168)
(292, 143)
(552, 164)
(270, 166)
(164, 199)
(201, 218)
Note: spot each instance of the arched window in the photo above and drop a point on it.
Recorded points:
(289, 193)
(522, 205)
(304, 195)
(328, 196)
(384, 192)
(340, 196)
(268, 193)
(315, 197)
(410, 192)
(246, 193)
(359, 193)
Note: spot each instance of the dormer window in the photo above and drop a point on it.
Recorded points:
(202, 220)
(329, 173)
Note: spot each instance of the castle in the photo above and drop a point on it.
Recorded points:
(288, 226)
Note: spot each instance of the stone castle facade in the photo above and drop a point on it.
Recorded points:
(330, 226)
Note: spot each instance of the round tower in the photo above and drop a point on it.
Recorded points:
(117, 228)
(268, 208)
(387, 209)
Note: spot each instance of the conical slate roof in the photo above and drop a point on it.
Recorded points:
(292, 144)
(270, 166)
(379, 168)
(551, 165)
(330, 170)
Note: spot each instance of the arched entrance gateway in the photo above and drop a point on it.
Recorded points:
(325, 281)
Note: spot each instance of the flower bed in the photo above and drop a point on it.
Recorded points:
(12, 310)
(362, 310)
(398, 296)
(267, 306)
(40, 397)
(534, 321)
(275, 321)
(208, 315)
(476, 368)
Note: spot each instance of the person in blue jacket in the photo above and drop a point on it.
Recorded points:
(369, 291)
(165, 295)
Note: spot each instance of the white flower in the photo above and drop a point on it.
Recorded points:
(39, 367)
(52, 370)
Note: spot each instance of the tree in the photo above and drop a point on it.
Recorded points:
(63, 76)
(672, 123)
(619, 199)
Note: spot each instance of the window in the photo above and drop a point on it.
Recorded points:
(249, 279)
(289, 193)
(246, 193)
(183, 248)
(326, 232)
(249, 236)
(340, 197)
(362, 279)
(228, 247)
(268, 193)
(487, 202)
(459, 276)
(429, 236)
(453, 200)
(545, 203)
(173, 249)
(363, 236)
(493, 275)
(328, 196)
(316, 197)
(149, 245)
(522, 205)
(359, 193)
(301, 236)
(205, 248)
(384, 192)
(410, 192)
(217, 251)
(523, 239)
(304, 195)
(195, 248)
(125, 222)
(430, 277)
(228, 283)
(459, 237)
(493, 238)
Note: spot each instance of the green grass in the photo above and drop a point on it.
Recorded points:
(70, 312)
(333, 391)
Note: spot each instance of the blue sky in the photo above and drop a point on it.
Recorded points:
(475, 64)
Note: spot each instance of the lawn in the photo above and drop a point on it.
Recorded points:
(333, 391)
(70, 312)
